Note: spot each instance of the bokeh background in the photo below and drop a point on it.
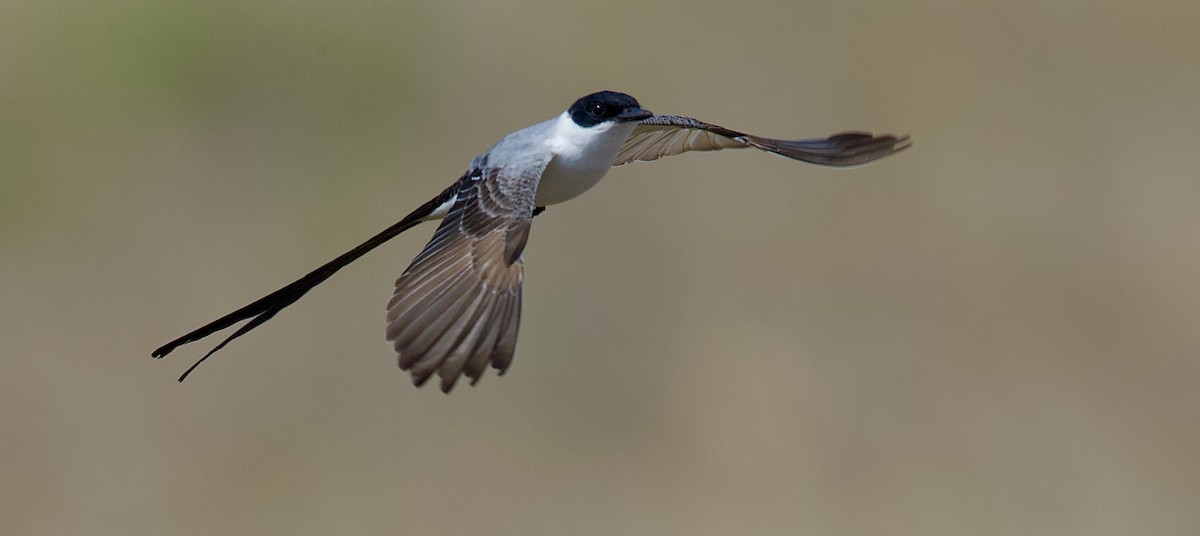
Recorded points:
(993, 333)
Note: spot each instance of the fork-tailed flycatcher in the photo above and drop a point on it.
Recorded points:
(457, 306)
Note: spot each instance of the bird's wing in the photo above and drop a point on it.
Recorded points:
(667, 135)
(458, 305)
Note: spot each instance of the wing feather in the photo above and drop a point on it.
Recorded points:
(479, 354)
(669, 135)
(457, 306)
(458, 349)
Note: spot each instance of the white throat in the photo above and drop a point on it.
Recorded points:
(581, 157)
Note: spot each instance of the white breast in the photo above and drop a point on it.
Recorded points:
(581, 158)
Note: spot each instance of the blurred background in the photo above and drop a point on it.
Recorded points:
(991, 333)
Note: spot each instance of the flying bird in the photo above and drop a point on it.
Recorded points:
(457, 306)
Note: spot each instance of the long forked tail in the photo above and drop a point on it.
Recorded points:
(268, 306)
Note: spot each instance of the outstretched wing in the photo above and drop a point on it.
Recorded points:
(667, 135)
(458, 305)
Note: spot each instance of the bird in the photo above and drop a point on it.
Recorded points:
(457, 307)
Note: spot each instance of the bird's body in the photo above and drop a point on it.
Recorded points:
(456, 308)
(582, 156)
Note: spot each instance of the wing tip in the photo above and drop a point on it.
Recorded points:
(844, 149)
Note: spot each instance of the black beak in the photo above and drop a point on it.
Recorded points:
(634, 114)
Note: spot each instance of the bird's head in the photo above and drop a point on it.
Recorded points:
(606, 108)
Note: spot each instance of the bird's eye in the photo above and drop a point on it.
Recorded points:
(599, 110)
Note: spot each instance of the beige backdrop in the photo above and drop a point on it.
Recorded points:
(991, 334)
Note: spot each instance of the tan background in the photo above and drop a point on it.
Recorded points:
(993, 333)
